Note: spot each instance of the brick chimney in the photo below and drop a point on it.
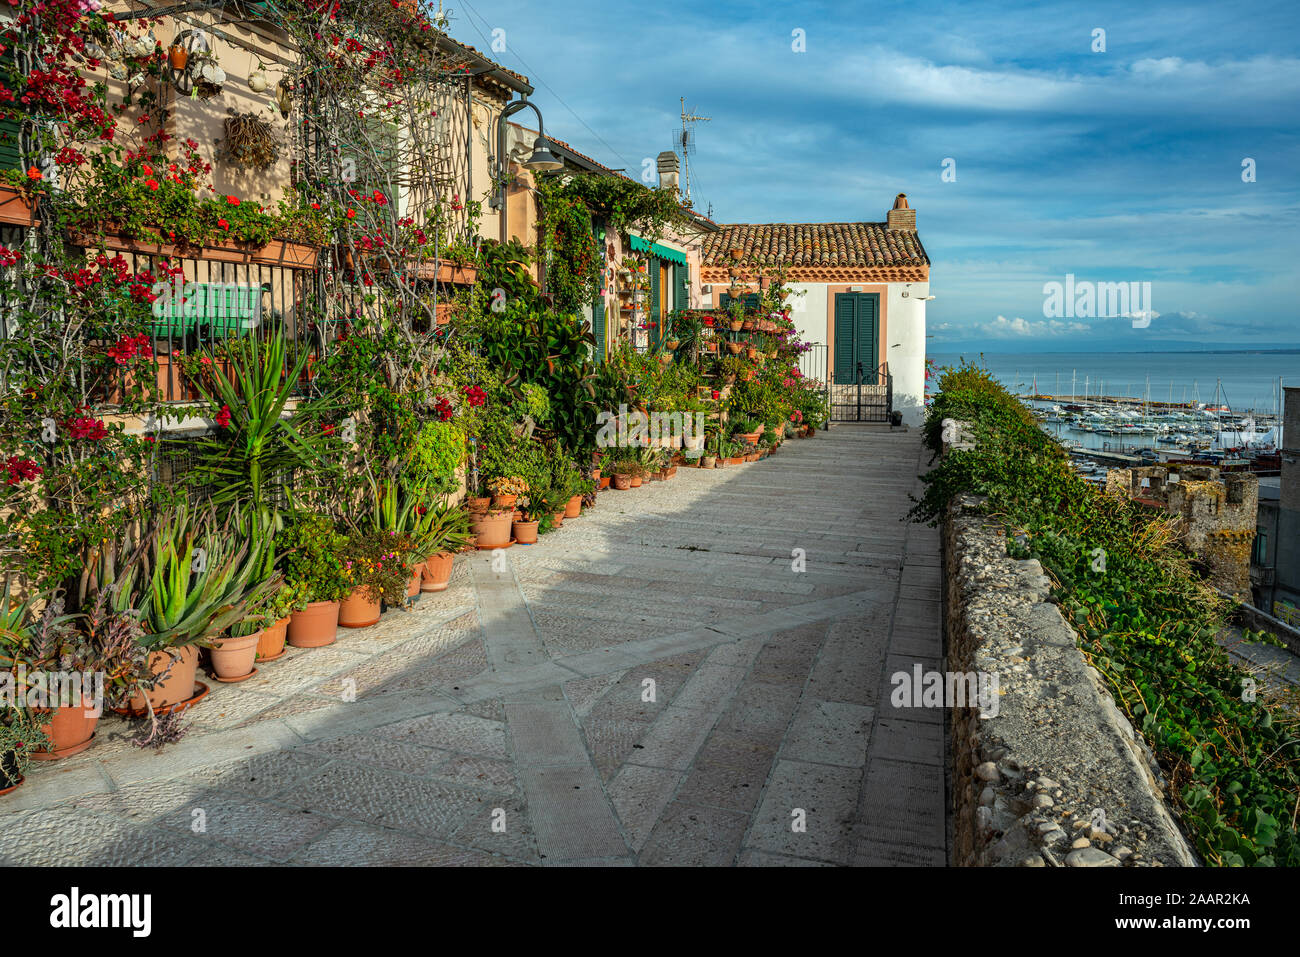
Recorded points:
(670, 171)
(901, 218)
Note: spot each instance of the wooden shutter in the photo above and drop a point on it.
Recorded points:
(652, 319)
(845, 314)
(683, 276)
(865, 336)
(598, 327)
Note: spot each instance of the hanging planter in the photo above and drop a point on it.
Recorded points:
(249, 141)
(178, 57)
(258, 81)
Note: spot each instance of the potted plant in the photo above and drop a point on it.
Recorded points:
(442, 531)
(506, 490)
(374, 568)
(22, 732)
(194, 583)
(39, 646)
(287, 600)
(310, 548)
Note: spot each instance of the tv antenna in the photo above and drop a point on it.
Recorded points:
(686, 143)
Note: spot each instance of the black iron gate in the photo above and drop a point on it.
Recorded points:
(812, 366)
(870, 398)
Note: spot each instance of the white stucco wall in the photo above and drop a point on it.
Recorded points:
(906, 348)
(809, 311)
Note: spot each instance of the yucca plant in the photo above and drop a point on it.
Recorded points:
(251, 459)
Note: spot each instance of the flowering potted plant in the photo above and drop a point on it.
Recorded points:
(506, 490)
(374, 568)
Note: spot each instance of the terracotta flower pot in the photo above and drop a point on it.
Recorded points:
(271, 644)
(736, 324)
(604, 481)
(315, 626)
(751, 457)
(492, 530)
(417, 574)
(574, 507)
(709, 461)
(478, 503)
(734, 348)
(735, 459)
(558, 518)
(10, 779)
(70, 731)
(503, 501)
(358, 611)
(525, 532)
(178, 686)
(178, 57)
(636, 481)
(622, 482)
(234, 657)
(437, 571)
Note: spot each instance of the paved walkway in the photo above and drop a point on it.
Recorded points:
(694, 672)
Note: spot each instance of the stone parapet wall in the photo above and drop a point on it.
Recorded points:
(1053, 774)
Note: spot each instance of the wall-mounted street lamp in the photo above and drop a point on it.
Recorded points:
(542, 158)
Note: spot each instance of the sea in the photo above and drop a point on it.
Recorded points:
(1243, 381)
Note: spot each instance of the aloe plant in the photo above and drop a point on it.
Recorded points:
(199, 582)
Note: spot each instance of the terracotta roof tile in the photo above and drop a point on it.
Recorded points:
(816, 244)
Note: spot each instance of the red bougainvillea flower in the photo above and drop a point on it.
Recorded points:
(224, 224)
(9, 257)
(223, 417)
(33, 173)
(21, 470)
(232, 200)
(147, 170)
(443, 409)
(85, 427)
(352, 214)
(379, 199)
(152, 184)
(474, 395)
(315, 205)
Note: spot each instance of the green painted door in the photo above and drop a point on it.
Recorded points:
(857, 350)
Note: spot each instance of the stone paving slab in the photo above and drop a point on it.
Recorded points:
(653, 684)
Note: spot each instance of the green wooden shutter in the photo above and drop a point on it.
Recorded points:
(653, 319)
(750, 300)
(683, 276)
(11, 123)
(865, 337)
(845, 313)
(598, 327)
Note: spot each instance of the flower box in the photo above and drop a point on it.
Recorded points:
(289, 255)
(16, 208)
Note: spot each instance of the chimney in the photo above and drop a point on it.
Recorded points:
(901, 218)
(670, 171)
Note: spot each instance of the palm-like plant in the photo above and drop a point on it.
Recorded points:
(252, 459)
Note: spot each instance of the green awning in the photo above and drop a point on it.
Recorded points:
(639, 245)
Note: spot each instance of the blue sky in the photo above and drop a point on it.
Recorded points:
(1115, 166)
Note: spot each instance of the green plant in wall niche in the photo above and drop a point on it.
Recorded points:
(437, 452)
(570, 249)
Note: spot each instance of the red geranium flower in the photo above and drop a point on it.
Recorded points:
(232, 200)
(223, 417)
